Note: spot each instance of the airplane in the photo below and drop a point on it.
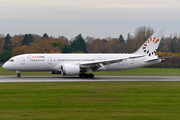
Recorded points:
(84, 64)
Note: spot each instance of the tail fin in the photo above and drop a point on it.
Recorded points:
(151, 45)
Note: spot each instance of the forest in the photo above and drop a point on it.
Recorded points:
(33, 43)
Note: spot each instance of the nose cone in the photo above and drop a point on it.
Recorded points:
(6, 66)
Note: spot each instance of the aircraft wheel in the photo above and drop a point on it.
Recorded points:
(86, 75)
(18, 75)
(91, 75)
(81, 75)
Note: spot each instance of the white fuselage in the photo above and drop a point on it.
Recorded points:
(52, 62)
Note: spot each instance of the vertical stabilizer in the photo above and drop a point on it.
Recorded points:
(151, 45)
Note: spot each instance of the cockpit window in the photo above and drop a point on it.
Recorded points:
(11, 60)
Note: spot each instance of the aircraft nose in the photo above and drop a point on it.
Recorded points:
(5, 66)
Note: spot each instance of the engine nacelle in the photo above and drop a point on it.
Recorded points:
(70, 69)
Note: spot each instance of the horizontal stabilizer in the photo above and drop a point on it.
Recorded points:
(159, 58)
(166, 57)
(163, 58)
(151, 60)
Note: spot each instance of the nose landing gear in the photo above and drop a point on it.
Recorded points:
(18, 73)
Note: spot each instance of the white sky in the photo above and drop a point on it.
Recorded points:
(95, 18)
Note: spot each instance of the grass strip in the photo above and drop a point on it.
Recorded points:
(90, 100)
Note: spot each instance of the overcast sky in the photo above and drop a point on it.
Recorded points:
(94, 18)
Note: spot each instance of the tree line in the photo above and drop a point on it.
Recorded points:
(32, 43)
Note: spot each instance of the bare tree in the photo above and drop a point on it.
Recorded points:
(141, 34)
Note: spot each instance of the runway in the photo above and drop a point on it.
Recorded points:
(13, 79)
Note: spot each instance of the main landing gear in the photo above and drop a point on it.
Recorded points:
(84, 75)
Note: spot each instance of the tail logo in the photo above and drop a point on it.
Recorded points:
(149, 44)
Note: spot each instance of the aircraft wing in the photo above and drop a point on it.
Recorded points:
(97, 64)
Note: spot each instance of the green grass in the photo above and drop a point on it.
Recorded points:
(90, 100)
(133, 72)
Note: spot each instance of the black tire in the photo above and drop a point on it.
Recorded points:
(86, 75)
(18, 75)
(81, 75)
(91, 76)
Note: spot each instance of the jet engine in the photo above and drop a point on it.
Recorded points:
(70, 69)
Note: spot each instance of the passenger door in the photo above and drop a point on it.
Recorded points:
(22, 60)
(49, 60)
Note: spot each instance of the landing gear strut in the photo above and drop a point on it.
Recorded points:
(84, 75)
